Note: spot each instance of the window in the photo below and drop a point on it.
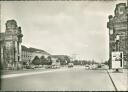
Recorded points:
(121, 10)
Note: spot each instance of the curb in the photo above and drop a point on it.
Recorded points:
(34, 73)
(112, 81)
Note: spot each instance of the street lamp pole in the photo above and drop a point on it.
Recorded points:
(14, 55)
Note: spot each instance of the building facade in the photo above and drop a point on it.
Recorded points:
(11, 45)
(61, 59)
(118, 32)
(28, 54)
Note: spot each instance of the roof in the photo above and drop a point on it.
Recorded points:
(38, 50)
(60, 56)
(35, 49)
(24, 48)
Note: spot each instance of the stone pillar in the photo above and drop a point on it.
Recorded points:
(13, 44)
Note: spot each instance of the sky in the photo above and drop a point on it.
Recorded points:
(74, 28)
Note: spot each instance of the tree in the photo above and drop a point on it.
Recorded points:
(62, 61)
(49, 60)
(43, 60)
(76, 62)
(36, 61)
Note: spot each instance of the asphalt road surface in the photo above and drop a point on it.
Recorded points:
(68, 80)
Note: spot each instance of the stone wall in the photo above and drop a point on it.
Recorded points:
(118, 29)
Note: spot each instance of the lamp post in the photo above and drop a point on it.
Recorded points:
(14, 55)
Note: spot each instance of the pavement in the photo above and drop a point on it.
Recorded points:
(120, 79)
(63, 79)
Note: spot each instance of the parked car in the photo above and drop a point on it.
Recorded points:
(99, 66)
(30, 67)
(70, 65)
(48, 66)
(55, 66)
(87, 66)
(38, 66)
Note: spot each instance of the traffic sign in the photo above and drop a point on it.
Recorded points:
(117, 60)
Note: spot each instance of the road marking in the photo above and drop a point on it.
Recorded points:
(33, 73)
(112, 81)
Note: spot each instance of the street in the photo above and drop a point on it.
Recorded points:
(73, 79)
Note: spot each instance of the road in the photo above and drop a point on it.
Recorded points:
(67, 80)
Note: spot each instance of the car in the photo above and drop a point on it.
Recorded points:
(48, 66)
(87, 66)
(99, 66)
(94, 66)
(70, 65)
(38, 66)
(30, 67)
(55, 66)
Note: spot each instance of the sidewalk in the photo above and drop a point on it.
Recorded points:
(120, 79)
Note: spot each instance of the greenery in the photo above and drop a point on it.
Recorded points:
(84, 62)
(43, 60)
(36, 61)
(64, 61)
(49, 60)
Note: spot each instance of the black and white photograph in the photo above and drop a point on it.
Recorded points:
(64, 45)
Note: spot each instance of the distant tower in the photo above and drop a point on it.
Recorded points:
(13, 39)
